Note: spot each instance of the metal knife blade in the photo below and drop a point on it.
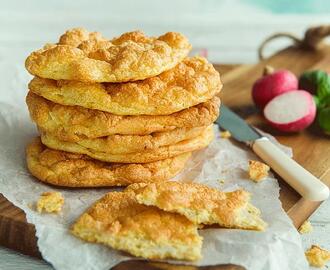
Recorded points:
(238, 128)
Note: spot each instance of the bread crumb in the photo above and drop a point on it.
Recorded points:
(221, 181)
(316, 256)
(306, 227)
(258, 170)
(50, 202)
(225, 134)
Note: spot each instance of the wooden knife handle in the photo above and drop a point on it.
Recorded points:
(306, 184)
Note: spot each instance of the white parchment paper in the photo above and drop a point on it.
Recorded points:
(279, 247)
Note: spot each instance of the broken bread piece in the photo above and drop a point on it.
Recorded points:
(119, 221)
(50, 202)
(317, 256)
(258, 171)
(202, 204)
(225, 134)
(306, 227)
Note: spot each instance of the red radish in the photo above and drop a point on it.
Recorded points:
(292, 111)
(273, 84)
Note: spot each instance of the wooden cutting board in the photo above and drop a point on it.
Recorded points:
(310, 148)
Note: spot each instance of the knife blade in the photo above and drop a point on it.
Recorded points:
(306, 184)
(238, 128)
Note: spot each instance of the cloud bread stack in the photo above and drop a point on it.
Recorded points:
(117, 112)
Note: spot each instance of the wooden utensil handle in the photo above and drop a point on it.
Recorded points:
(306, 184)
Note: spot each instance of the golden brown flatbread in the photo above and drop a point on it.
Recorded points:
(191, 82)
(118, 221)
(128, 144)
(74, 123)
(202, 204)
(87, 56)
(145, 156)
(75, 170)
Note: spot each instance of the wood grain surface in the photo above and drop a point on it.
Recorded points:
(310, 149)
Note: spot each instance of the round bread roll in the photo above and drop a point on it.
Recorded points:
(75, 123)
(126, 144)
(145, 156)
(191, 82)
(88, 57)
(76, 170)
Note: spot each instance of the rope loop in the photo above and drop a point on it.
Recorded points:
(313, 39)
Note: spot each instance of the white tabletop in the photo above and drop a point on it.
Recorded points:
(230, 31)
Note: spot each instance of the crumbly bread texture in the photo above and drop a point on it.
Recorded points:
(87, 56)
(317, 256)
(126, 144)
(74, 123)
(191, 82)
(258, 171)
(225, 134)
(50, 202)
(118, 221)
(202, 204)
(75, 170)
(306, 227)
(144, 156)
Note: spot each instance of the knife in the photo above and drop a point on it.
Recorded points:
(306, 184)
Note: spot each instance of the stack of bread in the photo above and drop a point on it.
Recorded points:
(129, 112)
(120, 111)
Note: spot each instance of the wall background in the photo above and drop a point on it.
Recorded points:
(231, 30)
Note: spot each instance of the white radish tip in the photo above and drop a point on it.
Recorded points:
(291, 111)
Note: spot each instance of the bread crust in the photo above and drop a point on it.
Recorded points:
(87, 56)
(145, 156)
(74, 123)
(191, 82)
(127, 144)
(202, 204)
(118, 221)
(75, 170)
